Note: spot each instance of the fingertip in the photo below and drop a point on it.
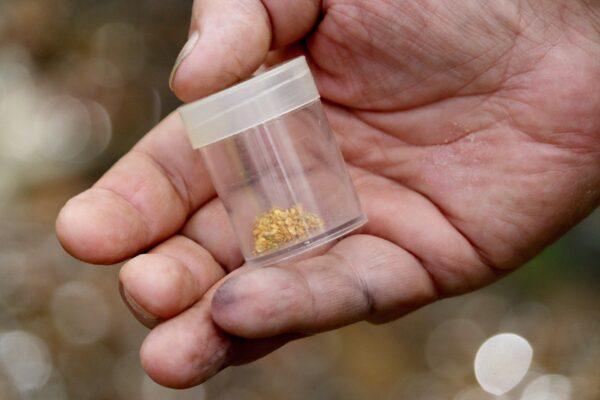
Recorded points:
(143, 316)
(185, 351)
(164, 362)
(98, 227)
(162, 286)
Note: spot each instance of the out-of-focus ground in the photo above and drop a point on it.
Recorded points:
(80, 82)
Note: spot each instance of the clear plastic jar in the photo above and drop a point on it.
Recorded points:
(275, 164)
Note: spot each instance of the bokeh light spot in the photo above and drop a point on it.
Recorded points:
(26, 360)
(548, 387)
(502, 361)
(80, 313)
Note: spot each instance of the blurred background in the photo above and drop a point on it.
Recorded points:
(80, 82)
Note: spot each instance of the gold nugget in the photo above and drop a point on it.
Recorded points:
(280, 226)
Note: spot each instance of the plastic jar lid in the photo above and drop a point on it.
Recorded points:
(269, 95)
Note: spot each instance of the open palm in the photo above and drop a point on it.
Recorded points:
(471, 130)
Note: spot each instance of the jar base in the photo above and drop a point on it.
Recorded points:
(309, 244)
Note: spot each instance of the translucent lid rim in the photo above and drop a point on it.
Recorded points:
(277, 91)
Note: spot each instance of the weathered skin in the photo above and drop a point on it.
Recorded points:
(472, 131)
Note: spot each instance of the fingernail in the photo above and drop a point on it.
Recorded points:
(185, 51)
(147, 319)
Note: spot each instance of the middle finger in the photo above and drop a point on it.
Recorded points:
(168, 280)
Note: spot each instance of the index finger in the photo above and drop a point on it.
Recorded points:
(143, 199)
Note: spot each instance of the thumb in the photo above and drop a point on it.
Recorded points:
(230, 39)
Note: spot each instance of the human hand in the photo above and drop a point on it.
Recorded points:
(471, 130)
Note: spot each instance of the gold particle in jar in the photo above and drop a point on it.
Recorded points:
(280, 226)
